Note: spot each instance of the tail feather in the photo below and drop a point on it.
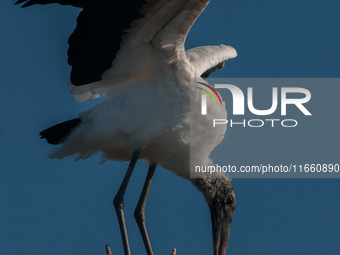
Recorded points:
(57, 133)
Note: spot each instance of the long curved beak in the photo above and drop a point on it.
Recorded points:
(221, 224)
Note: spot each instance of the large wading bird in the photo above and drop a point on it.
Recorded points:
(133, 52)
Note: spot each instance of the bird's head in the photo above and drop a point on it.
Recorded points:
(220, 197)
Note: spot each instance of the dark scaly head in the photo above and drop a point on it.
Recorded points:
(220, 197)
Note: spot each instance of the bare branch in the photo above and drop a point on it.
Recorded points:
(108, 250)
(173, 251)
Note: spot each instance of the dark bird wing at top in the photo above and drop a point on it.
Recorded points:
(114, 41)
(97, 37)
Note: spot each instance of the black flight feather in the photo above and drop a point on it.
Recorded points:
(98, 35)
(57, 133)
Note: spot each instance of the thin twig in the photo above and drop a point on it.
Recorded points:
(108, 250)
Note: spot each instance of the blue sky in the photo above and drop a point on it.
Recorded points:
(65, 207)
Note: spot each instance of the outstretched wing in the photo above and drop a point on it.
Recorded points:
(117, 41)
(98, 35)
(206, 59)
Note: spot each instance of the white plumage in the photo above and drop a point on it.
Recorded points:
(152, 109)
(152, 116)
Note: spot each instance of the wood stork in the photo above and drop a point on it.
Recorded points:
(133, 52)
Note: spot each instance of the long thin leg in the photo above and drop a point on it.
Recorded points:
(140, 209)
(118, 202)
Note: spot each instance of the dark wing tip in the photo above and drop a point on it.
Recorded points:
(29, 3)
(98, 35)
(56, 134)
(211, 70)
(62, 2)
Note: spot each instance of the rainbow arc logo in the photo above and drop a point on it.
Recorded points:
(204, 97)
(213, 90)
